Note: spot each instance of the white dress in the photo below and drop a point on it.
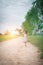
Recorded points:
(25, 38)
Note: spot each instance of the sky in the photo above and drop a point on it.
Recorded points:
(12, 13)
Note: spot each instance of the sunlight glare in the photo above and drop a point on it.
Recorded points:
(14, 32)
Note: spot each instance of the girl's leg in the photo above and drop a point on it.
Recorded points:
(25, 43)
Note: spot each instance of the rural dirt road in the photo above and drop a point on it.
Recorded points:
(14, 52)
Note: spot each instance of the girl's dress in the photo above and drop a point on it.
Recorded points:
(25, 38)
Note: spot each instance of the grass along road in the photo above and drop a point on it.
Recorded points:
(7, 37)
(37, 40)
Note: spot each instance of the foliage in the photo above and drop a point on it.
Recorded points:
(39, 5)
(32, 18)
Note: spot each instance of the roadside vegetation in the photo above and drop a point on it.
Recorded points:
(37, 40)
(7, 37)
(33, 24)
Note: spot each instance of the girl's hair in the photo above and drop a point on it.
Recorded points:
(26, 32)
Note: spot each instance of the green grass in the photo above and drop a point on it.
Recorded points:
(7, 37)
(37, 40)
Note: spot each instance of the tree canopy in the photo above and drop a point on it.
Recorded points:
(33, 20)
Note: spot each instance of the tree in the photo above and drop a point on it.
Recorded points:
(39, 6)
(32, 18)
(7, 33)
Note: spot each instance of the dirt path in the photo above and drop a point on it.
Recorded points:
(14, 52)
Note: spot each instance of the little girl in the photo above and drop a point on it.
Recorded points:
(25, 38)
